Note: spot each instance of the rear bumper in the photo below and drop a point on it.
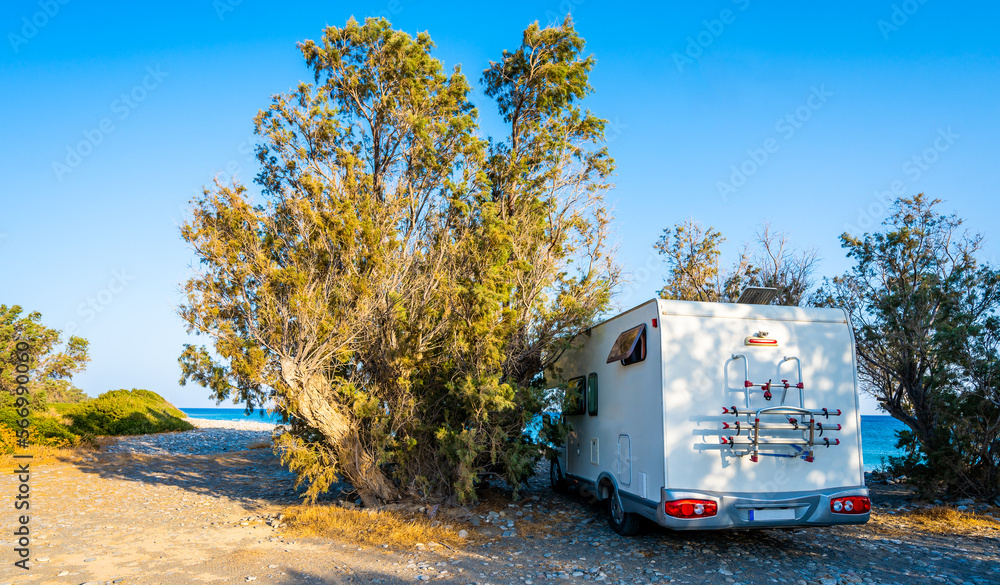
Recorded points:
(748, 510)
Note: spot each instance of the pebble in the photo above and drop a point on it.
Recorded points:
(210, 436)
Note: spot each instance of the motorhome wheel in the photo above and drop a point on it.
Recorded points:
(621, 521)
(556, 478)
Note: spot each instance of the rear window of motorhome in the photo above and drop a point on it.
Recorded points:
(576, 399)
(592, 394)
(630, 347)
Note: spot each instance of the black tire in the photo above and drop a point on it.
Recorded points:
(619, 520)
(556, 478)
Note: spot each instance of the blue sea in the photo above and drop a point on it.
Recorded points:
(232, 414)
(878, 433)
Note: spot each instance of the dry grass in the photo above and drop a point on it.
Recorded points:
(49, 454)
(936, 520)
(367, 527)
(40, 455)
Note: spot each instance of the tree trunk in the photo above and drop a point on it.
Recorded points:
(354, 461)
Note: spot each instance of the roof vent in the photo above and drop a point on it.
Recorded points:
(757, 295)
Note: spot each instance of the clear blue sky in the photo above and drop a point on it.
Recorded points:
(144, 103)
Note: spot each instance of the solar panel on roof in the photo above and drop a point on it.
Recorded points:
(757, 295)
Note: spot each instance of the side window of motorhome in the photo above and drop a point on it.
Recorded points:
(630, 347)
(576, 396)
(592, 394)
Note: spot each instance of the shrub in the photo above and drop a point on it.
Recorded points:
(126, 412)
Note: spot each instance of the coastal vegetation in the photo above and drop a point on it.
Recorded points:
(113, 413)
(44, 362)
(403, 280)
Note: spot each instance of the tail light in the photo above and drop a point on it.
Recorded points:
(851, 505)
(691, 508)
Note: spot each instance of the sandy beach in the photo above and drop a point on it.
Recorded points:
(199, 506)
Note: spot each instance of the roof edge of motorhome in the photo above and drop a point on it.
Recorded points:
(739, 311)
(749, 311)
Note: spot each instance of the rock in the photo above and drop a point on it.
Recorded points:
(508, 533)
(62, 574)
(463, 534)
(251, 578)
(89, 559)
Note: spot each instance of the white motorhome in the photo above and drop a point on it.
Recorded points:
(715, 415)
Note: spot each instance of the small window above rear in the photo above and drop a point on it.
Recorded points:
(630, 347)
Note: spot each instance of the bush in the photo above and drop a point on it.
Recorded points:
(125, 412)
(118, 412)
(45, 430)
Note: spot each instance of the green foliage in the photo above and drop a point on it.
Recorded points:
(118, 412)
(925, 313)
(692, 256)
(45, 429)
(125, 412)
(50, 363)
(406, 281)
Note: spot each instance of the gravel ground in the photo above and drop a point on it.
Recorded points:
(211, 436)
(189, 507)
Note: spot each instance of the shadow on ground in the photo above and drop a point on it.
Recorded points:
(252, 477)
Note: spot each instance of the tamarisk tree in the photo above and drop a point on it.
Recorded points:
(925, 313)
(691, 253)
(401, 281)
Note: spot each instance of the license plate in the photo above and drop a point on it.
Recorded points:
(765, 514)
